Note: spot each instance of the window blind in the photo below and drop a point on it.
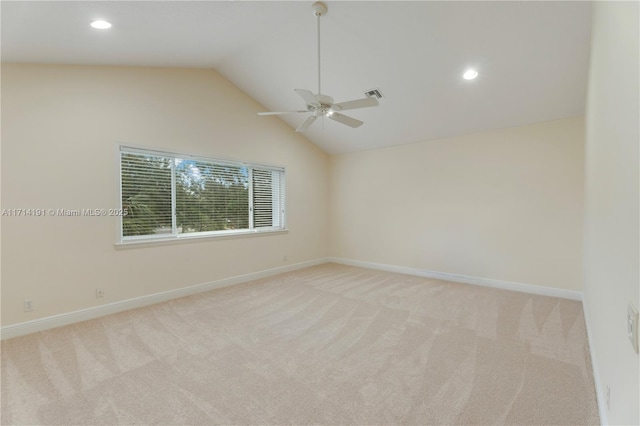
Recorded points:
(146, 194)
(268, 198)
(171, 195)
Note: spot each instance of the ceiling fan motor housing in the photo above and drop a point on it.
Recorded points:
(323, 105)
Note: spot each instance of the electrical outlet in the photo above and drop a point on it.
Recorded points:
(28, 305)
(284, 259)
(632, 326)
(608, 398)
(99, 292)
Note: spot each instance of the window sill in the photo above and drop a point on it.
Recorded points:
(187, 238)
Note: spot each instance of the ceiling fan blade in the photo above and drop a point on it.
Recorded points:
(359, 103)
(308, 97)
(341, 118)
(281, 112)
(306, 123)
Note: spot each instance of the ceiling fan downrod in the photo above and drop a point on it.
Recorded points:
(319, 9)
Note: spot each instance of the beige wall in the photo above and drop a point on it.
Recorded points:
(60, 129)
(504, 204)
(612, 209)
(455, 205)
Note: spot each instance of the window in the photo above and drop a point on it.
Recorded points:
(168, 196)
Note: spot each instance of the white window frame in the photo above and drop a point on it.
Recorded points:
(175, 236)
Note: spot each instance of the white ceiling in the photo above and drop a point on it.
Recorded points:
(532, 56)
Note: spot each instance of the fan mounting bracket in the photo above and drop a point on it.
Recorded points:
(319, 8)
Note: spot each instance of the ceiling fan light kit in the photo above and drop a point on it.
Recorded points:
(320, 105)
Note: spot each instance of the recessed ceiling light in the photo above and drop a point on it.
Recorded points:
(470, 74)
(101, 25)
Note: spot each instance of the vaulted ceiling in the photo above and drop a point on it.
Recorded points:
(532, 57)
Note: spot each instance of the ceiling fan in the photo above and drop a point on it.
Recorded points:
(322, 105)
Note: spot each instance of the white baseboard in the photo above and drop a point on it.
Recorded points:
(466, 279)
(54, 321)
(600, 398)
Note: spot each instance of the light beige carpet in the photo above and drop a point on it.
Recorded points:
(330, 344)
